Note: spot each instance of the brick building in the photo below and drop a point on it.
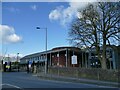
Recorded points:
(57, 57)
(62, 57)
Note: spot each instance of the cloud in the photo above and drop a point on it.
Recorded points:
(56, 14)
(34, 7)
(7, 35)
(66, 15)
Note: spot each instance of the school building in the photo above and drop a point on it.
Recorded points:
(63, 57)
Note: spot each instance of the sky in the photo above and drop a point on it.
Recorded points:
(18, 33)
(19, 21)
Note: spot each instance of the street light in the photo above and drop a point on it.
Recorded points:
(17, 61)
(45, 47)
(17, 56)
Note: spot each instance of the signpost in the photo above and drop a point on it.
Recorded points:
(30, 63)
(74, 59)
(29, 66)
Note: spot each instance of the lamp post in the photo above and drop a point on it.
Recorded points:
(17, 61)
(17, 56)
(45, 47)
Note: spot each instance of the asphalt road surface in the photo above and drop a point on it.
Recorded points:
(22, 80)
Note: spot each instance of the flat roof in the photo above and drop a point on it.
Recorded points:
(57, 49)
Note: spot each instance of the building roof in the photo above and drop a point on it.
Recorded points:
(70, 48)
(57, 49)
(35, 54)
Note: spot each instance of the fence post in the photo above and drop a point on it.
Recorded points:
(98, 74)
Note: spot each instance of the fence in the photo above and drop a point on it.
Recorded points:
(76, 72)
(87, 73)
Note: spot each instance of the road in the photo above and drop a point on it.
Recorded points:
(22, 80)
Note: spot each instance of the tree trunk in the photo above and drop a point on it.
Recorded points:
(97, 45)
(103, 63)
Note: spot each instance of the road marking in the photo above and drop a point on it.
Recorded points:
(10, 85)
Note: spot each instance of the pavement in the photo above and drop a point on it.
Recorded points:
(24, 80)
(78, 80)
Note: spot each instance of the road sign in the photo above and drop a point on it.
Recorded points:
(30, 62)
(74, 59)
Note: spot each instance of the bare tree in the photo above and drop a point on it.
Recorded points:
(110, 24)
(98, 24)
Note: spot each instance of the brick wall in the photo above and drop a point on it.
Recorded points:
(62, 59)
